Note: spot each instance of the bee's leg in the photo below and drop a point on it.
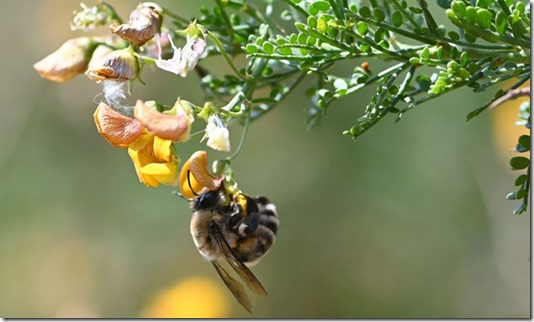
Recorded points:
(235, 219)
(250, 224)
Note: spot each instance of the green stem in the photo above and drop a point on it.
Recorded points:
(296, 7)
(283, 95)
(225, 55)
(243, 136)
(227, 23)
(176, 17)
(430, 22)
(397, 5)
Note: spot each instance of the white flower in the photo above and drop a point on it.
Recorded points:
(217, 134)
(183, 59)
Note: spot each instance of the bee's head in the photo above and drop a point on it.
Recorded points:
(207, 200)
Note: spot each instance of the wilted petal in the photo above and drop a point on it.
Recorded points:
(195, 176)
(67, 61)
(171, 127)
(117, 129)
(183, 59)
(119, 65)
(145, 22)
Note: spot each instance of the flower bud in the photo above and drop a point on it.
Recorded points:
(119, 65)
(217, 134)
(117, 129)
(145, 22)
(89, 18)
(67, 61)
(172, 125)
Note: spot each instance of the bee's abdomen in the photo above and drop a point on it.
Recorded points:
(268, 214)
(253, 246)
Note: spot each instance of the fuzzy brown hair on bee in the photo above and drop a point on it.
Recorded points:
(238, 230)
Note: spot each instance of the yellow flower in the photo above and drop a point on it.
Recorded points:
(155, 160)
(195, 176)
(195, 297)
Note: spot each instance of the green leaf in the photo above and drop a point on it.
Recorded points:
(425, 53)
(379, 14)
(520, 180)
(424, 82)
(512, 196)
(520, 209)
(322, 24)
(471, 14)
(321, 5)
(396, 18)
(311, 21)
(454, 35)
(284, 50)
(500, 23)
(445, 4)
(484, 18)
(362, 28)
(483, 3)
(268, 47)
(519, 163)
(459, 8)
(416, 10)
(523, 143)
(440, 52)
(251, 49)
(365, 12)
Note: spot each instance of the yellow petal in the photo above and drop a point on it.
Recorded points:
(162, 149)
(195, 176)
(117, 129)
(154, 166)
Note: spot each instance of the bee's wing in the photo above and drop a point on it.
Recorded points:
(234, 286)
(240, 268)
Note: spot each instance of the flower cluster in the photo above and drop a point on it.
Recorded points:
(149, 130)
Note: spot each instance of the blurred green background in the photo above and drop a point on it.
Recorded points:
(408, 221)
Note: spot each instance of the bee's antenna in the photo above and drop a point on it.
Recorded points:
(179, 194)
(189, 182)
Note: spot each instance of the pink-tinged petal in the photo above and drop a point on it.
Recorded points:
(170, 127)
(195, 176)
(117, 129)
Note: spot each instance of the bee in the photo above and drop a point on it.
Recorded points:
(236, 229)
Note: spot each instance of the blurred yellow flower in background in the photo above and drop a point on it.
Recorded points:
(194, 297)
(506, 132)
